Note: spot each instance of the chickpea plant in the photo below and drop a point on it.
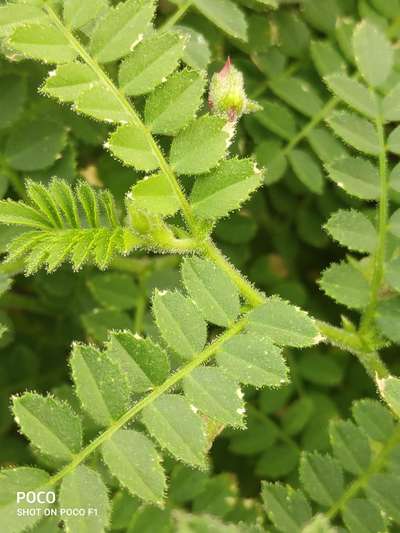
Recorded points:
(141, 402)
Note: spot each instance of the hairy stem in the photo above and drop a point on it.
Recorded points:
(172, 380)
(379, 257)
(376, 466)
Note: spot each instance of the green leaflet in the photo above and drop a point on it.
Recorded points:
(215, 395)
(346, 285)
(133, 460)
(199, 147)
(12, 16)
(155, 194)
(326, 145)
(373, 53)
(353, 230)
(129, 145)
(68, 82)
(225, 188)
(387, 317)
(121, 29)
(307, 170)
(99, 322)
(49, 424)
(393, 142)
(322, 478)
(252, 359)
(283, 323)
(35, 146)
(144, 362)
(362, 516)
(350, 446)
(288, 509)
(179, 323)
(197, 53)
(390, 391)
(391, 105)
(392, 274)
(394, 223)
(298, 94)
(13, 480)
(173, 105)
(269, 156)
(327, 58)
(177, 427)
(357, 176)
(84, 489)
(43, 42)
(13, 92)
(102, 104)
(114, 290)
(384, 489)
(374, 419)
(101, 387)
(356, 131)
(226, 15)
(212, 291)
(150, 62)
(354, 94)
(278, 119)
(77, 13)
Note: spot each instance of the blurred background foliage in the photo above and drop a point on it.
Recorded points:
(277, 239)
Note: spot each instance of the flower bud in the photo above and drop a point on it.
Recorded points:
(227, 96)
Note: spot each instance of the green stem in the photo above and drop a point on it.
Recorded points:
(176, 17)
(252, 295)
(173, 379)
(379, 258)
(127, 106)
(376, 466)
(319, 117)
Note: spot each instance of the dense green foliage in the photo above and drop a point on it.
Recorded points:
(200, 229)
